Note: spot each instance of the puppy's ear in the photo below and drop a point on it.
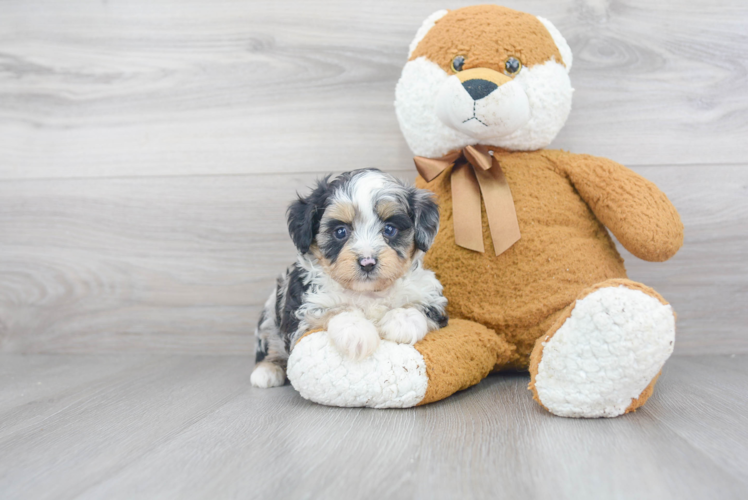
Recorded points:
(425, 214)
(305, 214)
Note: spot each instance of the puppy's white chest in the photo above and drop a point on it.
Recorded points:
(373, 307)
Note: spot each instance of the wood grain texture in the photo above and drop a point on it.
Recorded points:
(190, 427)
(184, 264)
(175, 87)
(148, 151)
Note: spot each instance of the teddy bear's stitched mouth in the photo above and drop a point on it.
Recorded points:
(475, 117)
(497, 114)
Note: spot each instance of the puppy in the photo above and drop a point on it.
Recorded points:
(359, 272)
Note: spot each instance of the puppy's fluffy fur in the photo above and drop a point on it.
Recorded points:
(359, 272)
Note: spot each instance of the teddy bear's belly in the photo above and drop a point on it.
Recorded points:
(563, 250)
(519, 293)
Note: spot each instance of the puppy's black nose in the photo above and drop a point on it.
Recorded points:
(367, 263)
(478, 89)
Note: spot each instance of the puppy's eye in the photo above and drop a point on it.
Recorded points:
(341, 232)
(512, 66)
(457, 64)
(390, 231)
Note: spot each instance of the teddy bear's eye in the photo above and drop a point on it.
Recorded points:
(457, 63)
(512, 66)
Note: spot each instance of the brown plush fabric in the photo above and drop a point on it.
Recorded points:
(635, 211)
(562, 200)
(471, 32)
(459, 356)
(537, 352)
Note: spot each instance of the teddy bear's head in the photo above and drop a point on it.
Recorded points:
(484, 75)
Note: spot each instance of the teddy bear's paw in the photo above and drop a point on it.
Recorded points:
(393, 377)
(403, 325)
(355, 336)
(605, 354)
(266, 375)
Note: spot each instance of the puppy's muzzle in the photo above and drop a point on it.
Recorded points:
(480, 82)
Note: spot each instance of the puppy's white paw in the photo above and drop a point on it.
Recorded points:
(353, 335)
(404, 325)
(266, 375)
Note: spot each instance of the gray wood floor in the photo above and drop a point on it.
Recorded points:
(181, 426)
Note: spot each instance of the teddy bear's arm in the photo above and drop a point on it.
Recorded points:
(633, 208)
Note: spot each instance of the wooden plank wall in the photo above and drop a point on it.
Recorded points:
(148, 150)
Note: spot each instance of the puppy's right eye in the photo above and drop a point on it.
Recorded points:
(341, 232)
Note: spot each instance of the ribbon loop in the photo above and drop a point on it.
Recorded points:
(431, 168)
(478, 156)
(481, 175)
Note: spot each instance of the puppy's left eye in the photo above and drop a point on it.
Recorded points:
(341, 232)
(390, 231)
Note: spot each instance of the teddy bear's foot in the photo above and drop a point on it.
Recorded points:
(603, 355)
(397, 375)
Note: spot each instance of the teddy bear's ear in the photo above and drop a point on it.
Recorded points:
(425, 27)
(560, 41)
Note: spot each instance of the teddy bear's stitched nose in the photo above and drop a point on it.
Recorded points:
(478, 89)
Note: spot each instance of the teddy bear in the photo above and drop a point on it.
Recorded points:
(531, 273)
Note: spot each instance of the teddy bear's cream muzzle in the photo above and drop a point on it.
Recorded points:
(483, 104)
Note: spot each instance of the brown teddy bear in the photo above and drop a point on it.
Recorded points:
(533, 279)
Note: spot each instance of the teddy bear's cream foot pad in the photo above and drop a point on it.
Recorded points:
(396, 375)
(393, 377)
(603, 359)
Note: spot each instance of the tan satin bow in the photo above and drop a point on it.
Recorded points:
(478, 173)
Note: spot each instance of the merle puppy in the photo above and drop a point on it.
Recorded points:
(359, 273)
